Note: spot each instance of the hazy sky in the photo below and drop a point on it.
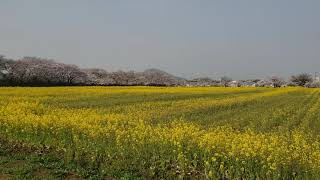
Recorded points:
(239, 38)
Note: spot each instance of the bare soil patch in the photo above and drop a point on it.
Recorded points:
(42, 173)
(15, 164)
(5, 176)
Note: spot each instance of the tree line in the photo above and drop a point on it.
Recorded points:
(35, 71)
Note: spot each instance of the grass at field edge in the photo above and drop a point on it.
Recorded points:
(20, 162)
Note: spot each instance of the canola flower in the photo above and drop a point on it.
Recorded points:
(159, 132)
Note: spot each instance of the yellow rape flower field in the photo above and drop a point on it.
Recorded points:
(170, 132)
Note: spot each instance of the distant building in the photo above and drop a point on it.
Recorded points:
(234, 84)
(265, 83)
(248, 84)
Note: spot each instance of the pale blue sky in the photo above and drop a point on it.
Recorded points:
(239, 38)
